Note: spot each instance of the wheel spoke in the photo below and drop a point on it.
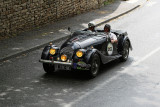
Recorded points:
(94, 67)
(126, 51)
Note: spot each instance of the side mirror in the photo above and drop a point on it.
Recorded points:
(69, 29)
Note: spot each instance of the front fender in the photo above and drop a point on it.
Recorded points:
(45, 52)
(89, 54)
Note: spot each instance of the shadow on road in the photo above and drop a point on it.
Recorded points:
(82, 75)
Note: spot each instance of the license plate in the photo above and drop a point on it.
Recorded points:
(63, 67)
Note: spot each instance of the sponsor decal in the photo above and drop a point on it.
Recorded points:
(81, 65)
(74, 65)
(79, 68)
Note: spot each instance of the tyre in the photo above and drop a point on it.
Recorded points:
(48, 68)
(125, 52)
(95, 65)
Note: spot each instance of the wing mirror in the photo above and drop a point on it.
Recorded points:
(69, 29)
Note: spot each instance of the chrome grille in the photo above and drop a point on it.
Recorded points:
(67, 51)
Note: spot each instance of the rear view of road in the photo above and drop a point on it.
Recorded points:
(134, 83)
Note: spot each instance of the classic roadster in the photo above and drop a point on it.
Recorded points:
(85, 50)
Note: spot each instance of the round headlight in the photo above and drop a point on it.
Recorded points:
(79, 53)
(52, 51)
(63, 57)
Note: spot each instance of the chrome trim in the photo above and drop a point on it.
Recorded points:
(54, 62)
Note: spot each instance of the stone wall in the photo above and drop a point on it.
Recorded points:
(19, 15)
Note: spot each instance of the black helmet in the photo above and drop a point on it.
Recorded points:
(107, 26)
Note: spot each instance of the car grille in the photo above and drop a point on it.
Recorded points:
(67, 51)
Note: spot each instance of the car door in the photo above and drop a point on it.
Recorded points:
(108, 51)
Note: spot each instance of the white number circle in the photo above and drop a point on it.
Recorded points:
(110, 49)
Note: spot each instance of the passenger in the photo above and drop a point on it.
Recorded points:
(107, 30)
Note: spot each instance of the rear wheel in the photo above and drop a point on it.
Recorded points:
(125, 52)
(95, 65)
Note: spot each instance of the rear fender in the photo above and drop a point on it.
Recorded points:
(121, 43)
(126, 38)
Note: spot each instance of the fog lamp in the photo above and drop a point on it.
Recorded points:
(63, 57)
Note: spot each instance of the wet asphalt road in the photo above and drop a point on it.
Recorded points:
(134, 83)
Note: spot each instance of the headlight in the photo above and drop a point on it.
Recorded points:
(79, 53)
(52, 51)
(63, 57)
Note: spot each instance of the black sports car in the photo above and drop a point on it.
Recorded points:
(86, 50)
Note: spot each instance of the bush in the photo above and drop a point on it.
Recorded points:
(108, 2)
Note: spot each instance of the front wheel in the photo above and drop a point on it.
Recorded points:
(95, 65)
(125, 52)
(48, 68)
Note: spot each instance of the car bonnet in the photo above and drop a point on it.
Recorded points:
(91, 41)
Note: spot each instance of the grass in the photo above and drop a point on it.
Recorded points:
(107, 2)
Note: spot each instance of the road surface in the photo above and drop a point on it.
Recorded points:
(134, 83)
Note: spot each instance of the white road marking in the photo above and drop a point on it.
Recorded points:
(145, 57)
(109, 80)
(151, 3)
(132, 1)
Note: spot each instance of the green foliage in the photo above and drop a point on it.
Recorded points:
(108, 2)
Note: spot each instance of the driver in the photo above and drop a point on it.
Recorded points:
(107, 30)
(91, 26)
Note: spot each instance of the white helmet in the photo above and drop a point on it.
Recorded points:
(91, 24)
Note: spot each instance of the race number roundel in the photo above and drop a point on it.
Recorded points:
(110, 49)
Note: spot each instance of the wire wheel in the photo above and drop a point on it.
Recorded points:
(95, 65)
(125, 52)
(48, 68)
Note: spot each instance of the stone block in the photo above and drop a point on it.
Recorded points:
(19, 15)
